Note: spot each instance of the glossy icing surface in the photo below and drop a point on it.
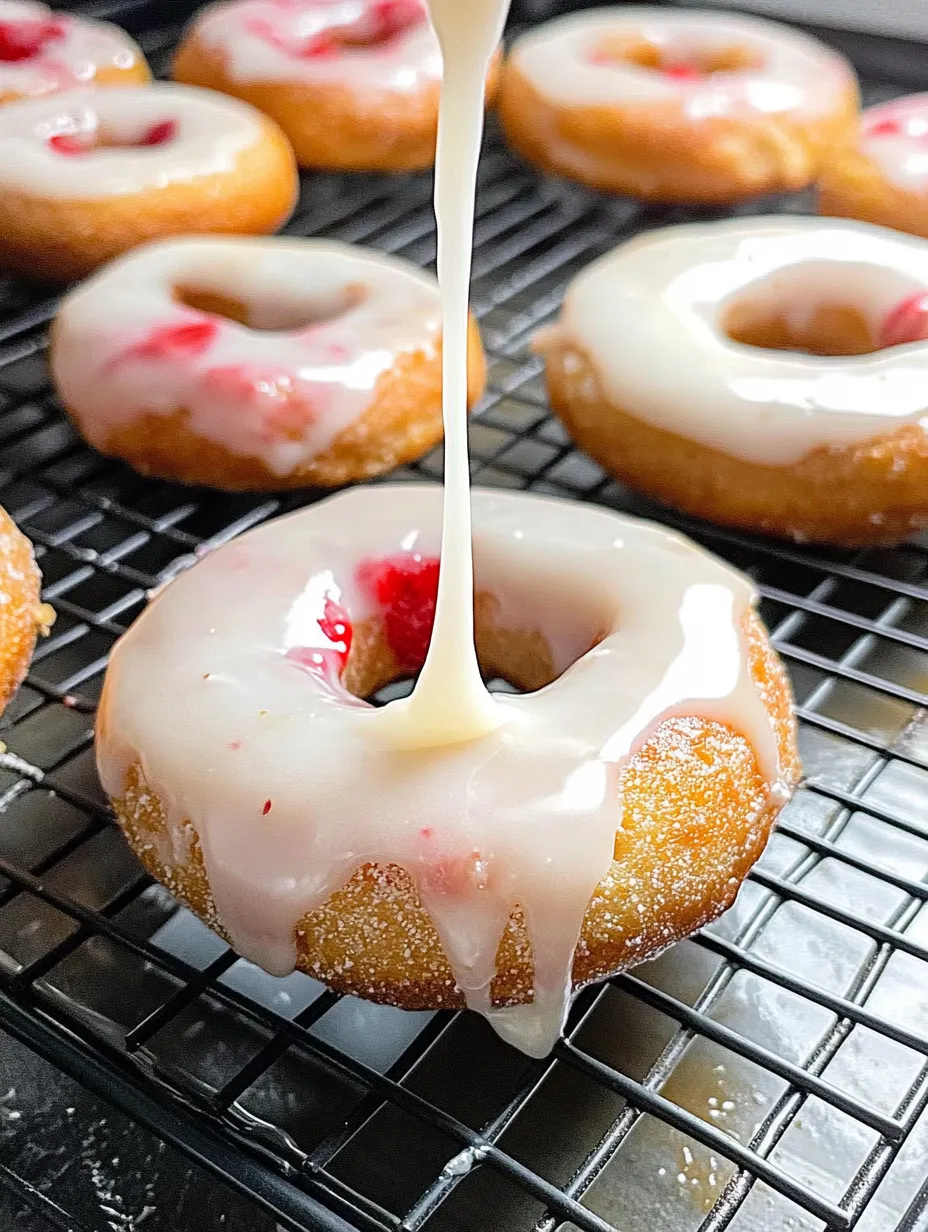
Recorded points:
(369, 45)
(150, 136)
(670, 292)
(895, 136)
(226, 691)
(568, 61)
(44, 51)
(325, 321)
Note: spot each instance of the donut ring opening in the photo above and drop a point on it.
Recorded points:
(827, 329)
(274, 315)
(700, 61)
(697, 814)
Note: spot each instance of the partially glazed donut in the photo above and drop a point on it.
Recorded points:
(22, 615)
(87, 175)
(883, 176)
(616, 808)
(256, 364)
(676, 105)
(353, 83)
(45, 51)
(764, 373)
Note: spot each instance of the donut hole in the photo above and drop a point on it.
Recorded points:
(90, 139)
(383, 21)
(689, 62)
(274, 313)
(826, 329)
(513, 658)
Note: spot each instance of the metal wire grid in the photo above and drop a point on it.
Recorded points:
(665, 1091)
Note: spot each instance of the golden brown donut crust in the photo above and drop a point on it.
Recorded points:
(696, 815)
(854, 495)
(659, 154)
(332, 127)
(22, 614)
(402, 423)
(851, 185)
(61, 239)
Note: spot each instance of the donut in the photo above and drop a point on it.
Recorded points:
(795, 395)
(676, 105)
(45, 51)
(87, 175)
(353, 83)
(23, 617)
(256, 364)
(882, 177)
(617, 808)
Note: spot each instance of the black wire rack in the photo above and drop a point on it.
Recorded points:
(770, 1073)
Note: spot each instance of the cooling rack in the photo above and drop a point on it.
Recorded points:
(769, 1074)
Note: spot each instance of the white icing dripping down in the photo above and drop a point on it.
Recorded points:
(200, 691)
(450, 702)
(673, 288)
(244, 390)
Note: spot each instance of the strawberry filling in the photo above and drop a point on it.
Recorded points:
(74, 143)
(907, 322)
(383, 21)
(327, 662)
(171, 342)
(24, 40)
(405, 588)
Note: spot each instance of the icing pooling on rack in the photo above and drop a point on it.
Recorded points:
(287, 779)
(308, 41)
(43, 51)
(282, 393)
(895, 136)
(206, 135)
(794, 73)
(674, 288)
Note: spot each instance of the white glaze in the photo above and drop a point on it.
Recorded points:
(259, 40)
(380, 307)
(201, 693)
(902, 154)
(84, 49)
(213, 131)
(650, 316)
(450, 701)
(796, 74)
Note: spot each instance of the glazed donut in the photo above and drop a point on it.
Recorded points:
(22, 615)
(676, 105)
(353, 83)
(44, 52)
(256, 364)
(742, 427)
(620, 804)
(87, 175)
(883, 176)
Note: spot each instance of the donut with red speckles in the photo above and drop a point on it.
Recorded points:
(672, 104)
(882, 177)
(45, 51)
(353, 83)
(87, 175)
(249, 364)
